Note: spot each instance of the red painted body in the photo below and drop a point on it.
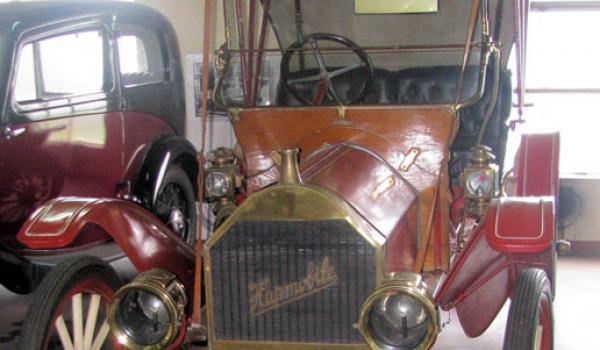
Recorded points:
(517, 232)
(83, 156)
(505, 232)
(536, 165)
(143, 238)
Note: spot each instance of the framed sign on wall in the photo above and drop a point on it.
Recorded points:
(395, 6)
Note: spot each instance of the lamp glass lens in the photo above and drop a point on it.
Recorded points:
(143, 317)
(217, 184)
(398, 322)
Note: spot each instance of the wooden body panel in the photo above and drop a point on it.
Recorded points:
(414, 140)
(381, 195)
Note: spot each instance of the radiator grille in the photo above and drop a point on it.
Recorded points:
(281, 252)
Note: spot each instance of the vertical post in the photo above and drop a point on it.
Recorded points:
(299, 31)
(196, 312)
(521, 13)
(261, 46)
(228, 43)
(241, 43)
(250, 70)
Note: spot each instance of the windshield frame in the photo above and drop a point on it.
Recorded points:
(485, 46)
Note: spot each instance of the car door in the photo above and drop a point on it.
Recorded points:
(63, 135)
(146, 83)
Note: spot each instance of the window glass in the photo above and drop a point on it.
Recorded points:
(563, 76)
(25, 87)
(558, 37)
(575, 117)
(64, 65)
(72, 63)
(140, 55)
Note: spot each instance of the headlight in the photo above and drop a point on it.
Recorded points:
(480, 183)
(217, 184)
(400, 315)
(148, 312)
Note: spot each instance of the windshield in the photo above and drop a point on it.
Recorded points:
(370, 51)
(446, 25)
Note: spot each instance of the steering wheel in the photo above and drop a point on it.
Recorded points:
(324, 81)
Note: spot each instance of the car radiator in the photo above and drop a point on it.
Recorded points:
(290, 281)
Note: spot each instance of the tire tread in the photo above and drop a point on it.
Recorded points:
(522, 317)
(51, 291)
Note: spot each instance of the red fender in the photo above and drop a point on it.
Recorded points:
(146, 241)
(536, 165)
(517, 232)
(520, 224)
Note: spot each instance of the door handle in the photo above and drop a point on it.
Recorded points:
(8, 133)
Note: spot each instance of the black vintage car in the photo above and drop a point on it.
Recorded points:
(91, 105)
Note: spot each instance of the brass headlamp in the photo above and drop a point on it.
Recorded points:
(223, 175)
(223, 178)
(148, 312)
(399, 315)
(480, 180)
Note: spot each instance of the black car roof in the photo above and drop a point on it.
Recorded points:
(18, 16)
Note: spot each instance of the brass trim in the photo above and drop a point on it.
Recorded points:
(290, 175)
(402, 283)
(273, 204)
(162, 284)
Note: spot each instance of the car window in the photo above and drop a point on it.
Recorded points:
(140, 56)
(63, 65)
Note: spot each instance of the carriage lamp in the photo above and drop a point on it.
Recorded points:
(217, 184)
(399, 315)
(148, 312)
(480, 180)
(222, 176)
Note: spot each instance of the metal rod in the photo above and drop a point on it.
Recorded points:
(560, 91)
(299, 30)
(375, 49)
(197, 302)
(261, 45)
(240, 29)
(519, 47)
(565, 6)
(250, 54)
(226, 22)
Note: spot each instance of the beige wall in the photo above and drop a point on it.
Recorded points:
(187, 18)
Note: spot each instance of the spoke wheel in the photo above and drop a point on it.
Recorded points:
(530, 319)
(176, 205)
(69, 310)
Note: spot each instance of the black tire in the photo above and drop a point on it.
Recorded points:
(86, 275)
(530, 313)
(176, 197)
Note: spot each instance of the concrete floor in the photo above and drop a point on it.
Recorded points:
(576, 307)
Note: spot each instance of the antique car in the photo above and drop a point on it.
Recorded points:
(367, 192)
(91, 105)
